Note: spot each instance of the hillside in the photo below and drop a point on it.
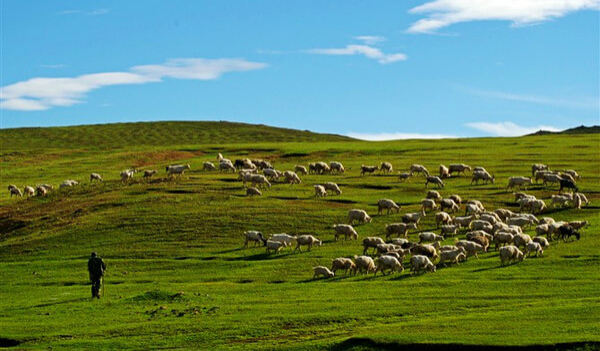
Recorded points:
(576, 130)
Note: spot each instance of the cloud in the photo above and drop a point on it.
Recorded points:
(38, 94)
(581, 103)
(368, 51)
(369, 39)
(443, 13)
(508, 128)
(397, 136)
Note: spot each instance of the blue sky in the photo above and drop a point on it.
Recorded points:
(371, 69)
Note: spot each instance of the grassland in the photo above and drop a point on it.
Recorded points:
(178, 277)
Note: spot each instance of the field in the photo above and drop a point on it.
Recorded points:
(179, 278)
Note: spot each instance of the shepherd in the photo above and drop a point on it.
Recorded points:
(96, 268)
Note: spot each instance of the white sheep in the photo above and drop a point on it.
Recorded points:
(387, 204)
(226, 166)
(521, 240)
(572, 173)
(272, 174)
(457, 200)
(342, 263)
(388, 262)
(274, 246)
(177, 170)
(320, 191)
(416, 168)
(444, 172)
(580, 199)
(420, 262)
(291, 177)
(358, 215)
(551, 178)
(260, 180)
(386, 167)
(484, 176)
(503, 238)
(404, 176)
(459, 168)
(430, 237)
(371, 242)
(509, 254)
(346, 230)
(464, 221)
(399, 229)
(324, 271)
(578, 224)
(255, 236)
(481, 225)
(149, 173)
(208, 166)
(367, 169)
(490, 217)
(538, 167)
(542, 241)
(333, 187)
(471, 248)
(300, 169)
(428, 204)
(450, 229)
(127, 174)
(432, 194)
(413, 217)
(442, 217)
(286, 239)
(96, 177)
(68, 183)
(29, 191)
(336, 167)
(322, 168)
(453, 256)
(435, 180)
(41, 191)
(450, 204)
(364, 264)
(307, 240)
(561, 200)
(504, 213)
(518, 181)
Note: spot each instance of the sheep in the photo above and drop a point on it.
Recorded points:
(566, 231)
(345, 230)
(542, 241)
(449, 248)
(68, 183)
(432, 194)
(479, 238)
(426, 250)
(572, 173)
(414, 217)
(521, 240)
(454, 256)
(444, 172)
(428, 204)
(579, 199)
(337, 167)
(478, 204)
(525, 203)
(435, 180)
(551, 178)
(554, 228)
(245, 177)
(11, 187)
(333, 187)
(520, 221)
(518, 181)
(392, 250)
(126, 175)
(450, 229)
(96, 177)
(479, 169)
(416, 168)
(578, 224)
(484, 176)
(274, 246)
(388, 205)
(248, 164)
(464, 221)
(320, 191)
(442, 217)
(567, 176)
(459, 168)
(547, 220)
(219, 157)
(471, 209)
(367, 169)
(490, 217)
(260, 180)
(291, 177)
(342, 263)
(386, 167)
(324, 271)
(15, 191)
(29, 191)
(400, 241)
(312, 168)
(307, 240)
(364, 264)
(41, 191)
(429, 237)
(502, 238)
(262, 164)
(272, 174)
(177, 170)
(542, 229)
(286, 239)
(399, 229)
(568, 184)
(253, 192)
(420, 262)
(404, 176)
(534, 247)
(520, 195)
(300, 169)
(471, 248)
(385, 262)
(537, 206)
(449, 203)
(358, 215)
(371, 242)
(206, 166)
(456, 199)
(225, 166)
(253, 235)
(538, 167)
(238, 164)
(509, 254)
(539, 175)
(322, 168)
(560, 200)
(481, 225)
(504, 213)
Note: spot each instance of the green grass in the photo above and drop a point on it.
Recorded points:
(178, 277)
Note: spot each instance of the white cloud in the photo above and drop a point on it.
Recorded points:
(581, 102)
(443, 13)
(368, 51)
(44, 93)
(98, 12)
(397, 136)
(370, 39)
(508, 128)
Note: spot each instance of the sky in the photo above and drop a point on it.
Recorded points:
(368, 69)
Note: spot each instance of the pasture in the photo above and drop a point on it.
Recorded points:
(179, 278)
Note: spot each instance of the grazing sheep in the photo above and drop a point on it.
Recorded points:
(504, 213)
(416, 168)
(358, 215)
(435, 180)
(490, 217)
(426, 250)
(387, 204)
(253, 235)
(253, 192)
(471, 248)
(41, 191)
(322, 168)
(386, 167)
(286, 239)
(404, 176)
(392, 250)
(260, 180)
(413, 217)
(262, 164)
(342, 263)
(367, 169)
(399, 229)
(333, 187)
(459, 168)
(324, 271)
(150, 173)
(456, 199)
(542, 241)
(578, 224)
(481, 225)
(449, 248)
(225, 166)
(272, 174)
(453, 256)
(432, 194)
(521, 240)
(449, 203)
(479, 238)
(479, 169)
(400, 241)
(364, 264)
(537, 206)
(300, 169)
(206, 166)
(345, 230)
(428, 204)
(291, 177)
(579, 199)
(547, 220)
(450, 229)
(430, 237)
(567, 177)
(68, 183)
(539, 175)
(274, 246)
(126, 175)
(554, 228)
(567, 184)
(307, 240)
(465, 221)
(551, 178)
(520, 221)
(502, 238)
(472, 209)
(29, 191)
(336, 167)
(542, 229)
(420, 262)
(177, 170)
(442, 217)
(484, 176)
(444, 172)
(566, 231)
(320, 191)
(518, 181)
(560, 200)
(371, 242)
(48, 187)
(509, 254)
(312, 168)
(15, 191)
(385, 262)
(534, 247)
(96, 177)
(572, 173)
(538, 167)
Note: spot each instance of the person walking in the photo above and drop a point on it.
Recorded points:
(96, 268)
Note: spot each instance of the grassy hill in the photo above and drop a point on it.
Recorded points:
(179, 278)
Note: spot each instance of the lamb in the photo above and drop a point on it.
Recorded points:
(538, 167)
(484, 176)
(150, 173)
(253, 192)
(428, 204)
(364, 264)
(260, 180)
(324, 271)
(177, 170)
(404, 176)
(444, 172)
(96, 177)
(225, 166)
(442, 217)
(307, 240)
(432, 194)
(367, 169)
(414, 217)
(521, 240)
(300, 169)
(286, 239)
(471, 248)
(358, 215)
(253, 235)
(459, 168)
(345, 230)
(333, 187)
(371, 242)
(430, 237)
(416, 168)
(435, 180)
(449, 203)
(29, 191)
(274, 246)
(342, 263)
(419, 262)
(272, 174)
(15, 191)
(399, 229)
(542, 241)
(337, 167)
(320, 191)
(518, 181)
(206, 166)
(291, 177)
(453, 256)
(502, 238)
(510, 254)
(385, 262)
(388, 205)
(386, 167)
(534, 247)
(450, 229)
(464, 221)
(425, 250)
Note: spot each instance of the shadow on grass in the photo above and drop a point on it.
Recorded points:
(60, 302)
(260, 257)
